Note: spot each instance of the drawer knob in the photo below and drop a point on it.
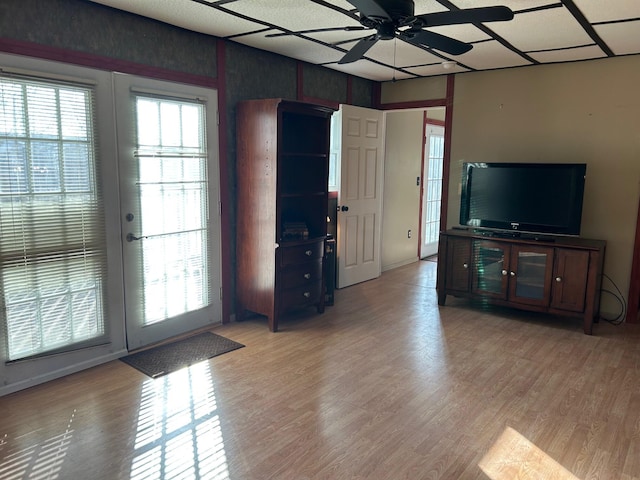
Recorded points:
(513, 274)
(306, 294)
(308, 253)
(504, 272)
(558, 279)
(307, 276)
(465, 265)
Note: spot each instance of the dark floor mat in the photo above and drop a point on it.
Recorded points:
(164, 359)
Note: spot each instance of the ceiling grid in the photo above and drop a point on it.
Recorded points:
(323, 32)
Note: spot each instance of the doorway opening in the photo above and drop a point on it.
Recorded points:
(432, 180)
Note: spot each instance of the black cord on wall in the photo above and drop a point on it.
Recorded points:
(621, 300)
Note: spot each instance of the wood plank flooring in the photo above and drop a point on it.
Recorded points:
(383, 385)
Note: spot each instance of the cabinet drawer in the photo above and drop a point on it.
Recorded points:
(297, 297)
(301, 253)
(300, 275)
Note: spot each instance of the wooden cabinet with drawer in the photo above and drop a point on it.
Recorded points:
(282, 173)
(559, 275)
(300, 275)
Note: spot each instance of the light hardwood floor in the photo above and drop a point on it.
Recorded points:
(383, 385)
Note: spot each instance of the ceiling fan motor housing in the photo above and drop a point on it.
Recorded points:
(401, 11)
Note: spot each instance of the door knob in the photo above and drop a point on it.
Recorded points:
(344, 208)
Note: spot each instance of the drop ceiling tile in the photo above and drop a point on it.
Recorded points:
(292, 14)
(610, 10)
(293, 47)
(340, 35)
(622, 38)
(370, 70)
(428, 6)
(342, 4)
(186, 14)
(435, 69)
(490, 55)
(568, 55)
(542, 30)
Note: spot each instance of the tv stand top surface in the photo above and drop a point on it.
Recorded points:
(538, 237)
(526, 237)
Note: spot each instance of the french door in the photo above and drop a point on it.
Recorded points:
(169, 208)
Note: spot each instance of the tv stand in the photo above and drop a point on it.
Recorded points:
(556, 275)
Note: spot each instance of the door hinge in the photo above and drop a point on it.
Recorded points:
(219, 208)
(220, 293)
(218, 117)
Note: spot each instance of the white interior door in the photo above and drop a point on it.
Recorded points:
(432, 189)
(169, 197)
(360, 195)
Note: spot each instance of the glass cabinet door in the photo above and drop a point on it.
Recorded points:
(530, 274)
(490, 275)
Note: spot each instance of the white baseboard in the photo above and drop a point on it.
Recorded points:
(37, 380)
(400, 264)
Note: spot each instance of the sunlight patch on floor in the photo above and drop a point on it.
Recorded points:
(179, 433)
(40, 461)
(513, 456)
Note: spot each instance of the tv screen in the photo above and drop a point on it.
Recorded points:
(523, 197)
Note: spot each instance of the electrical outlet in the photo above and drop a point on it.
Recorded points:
(408, 233)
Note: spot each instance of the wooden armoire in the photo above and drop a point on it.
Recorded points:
(282, 200)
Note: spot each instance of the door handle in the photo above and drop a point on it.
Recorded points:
(344, 208)
(131, 237)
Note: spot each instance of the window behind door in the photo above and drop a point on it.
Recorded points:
(52, 248)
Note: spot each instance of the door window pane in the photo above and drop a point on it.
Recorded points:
(172, 184)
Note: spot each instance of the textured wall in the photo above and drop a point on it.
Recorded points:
(320, 82)
(361, 92)
(92, 28)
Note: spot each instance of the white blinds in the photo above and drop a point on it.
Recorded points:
(52, 242)
(171, 155)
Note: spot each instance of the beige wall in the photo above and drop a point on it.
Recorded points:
(401, 209)
(587, 112)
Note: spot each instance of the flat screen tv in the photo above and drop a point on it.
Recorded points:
(523, 197)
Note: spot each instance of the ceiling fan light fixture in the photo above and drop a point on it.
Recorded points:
(448, 65)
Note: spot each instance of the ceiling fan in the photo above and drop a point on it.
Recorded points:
(395, 19)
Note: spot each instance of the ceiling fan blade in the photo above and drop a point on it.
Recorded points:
(469, 15)
(350, 40)
(359, 49)
(316, 30)
(435, 40)
(370, 9)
